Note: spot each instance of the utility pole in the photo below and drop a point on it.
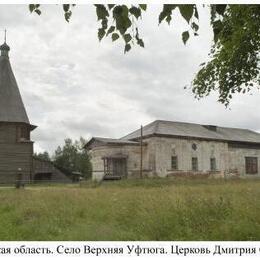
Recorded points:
(141, 153)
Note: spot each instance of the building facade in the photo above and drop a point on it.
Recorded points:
(177, 149)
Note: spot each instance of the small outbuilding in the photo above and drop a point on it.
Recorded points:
(46, 171)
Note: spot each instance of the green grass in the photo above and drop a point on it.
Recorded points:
(150, 209)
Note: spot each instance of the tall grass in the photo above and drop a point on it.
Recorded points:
(157, 209)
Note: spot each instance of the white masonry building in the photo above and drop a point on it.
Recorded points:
(176, 149)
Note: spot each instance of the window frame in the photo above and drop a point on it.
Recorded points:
(213, 162)
(251, 165)
(174, 157)
(194, 162)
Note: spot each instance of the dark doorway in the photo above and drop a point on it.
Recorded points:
(119, 167)
(115, 167)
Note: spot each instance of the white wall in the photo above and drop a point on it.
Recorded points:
(159, 150)
(165, 148)
(133, 157)
(237, 160)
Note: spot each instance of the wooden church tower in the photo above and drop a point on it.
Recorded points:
(16, 147)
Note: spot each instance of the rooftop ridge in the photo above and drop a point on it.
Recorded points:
(195, 130)
(200, 124)
(135, 131)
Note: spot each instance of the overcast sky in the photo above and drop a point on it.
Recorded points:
(74, 86)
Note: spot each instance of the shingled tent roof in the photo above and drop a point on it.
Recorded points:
(11, 105)
(190, 130)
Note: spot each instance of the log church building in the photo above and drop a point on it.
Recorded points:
(16, 146)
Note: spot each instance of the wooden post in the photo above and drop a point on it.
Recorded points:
(141, 153)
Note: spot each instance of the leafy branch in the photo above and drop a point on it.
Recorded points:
(233, 66)
(121, 21)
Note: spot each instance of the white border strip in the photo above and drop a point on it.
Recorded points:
(128, 2)
(134, 250)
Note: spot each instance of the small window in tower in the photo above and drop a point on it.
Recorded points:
(22, 133)
(174, 163)
(194, 164)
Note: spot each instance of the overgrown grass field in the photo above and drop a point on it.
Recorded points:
(154, 209)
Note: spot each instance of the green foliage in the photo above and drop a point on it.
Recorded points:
(194, 26)
(101, 33)
(234, 61)
(135, 11)
(115, 36)
(122, 20)
(66, 8)
(127, 37)
(72, 157)
(143, 7)
(67, 11)
(121, 24)
(233, 64)
(185, 36)
(220, 9)
(35, 8)
(166, 13)
(127, 47)
(110, 30)
(149, 209)
(187, 11)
